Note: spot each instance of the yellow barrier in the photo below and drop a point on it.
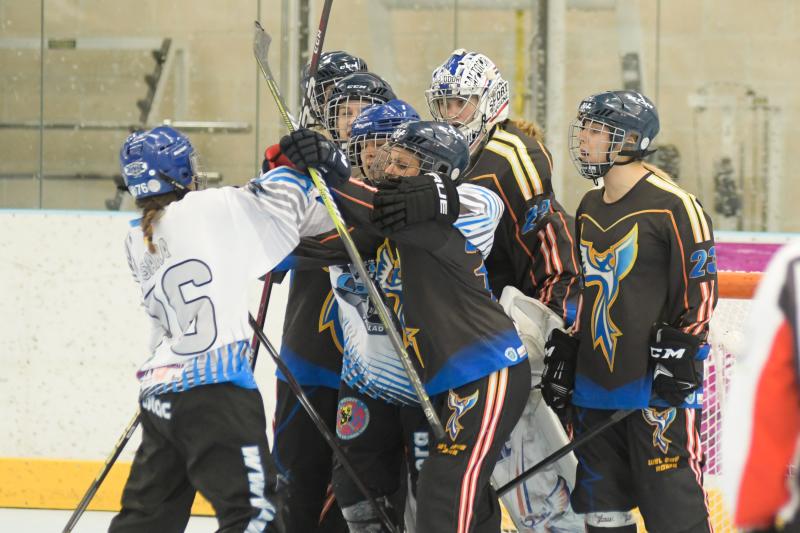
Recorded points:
(60, 484)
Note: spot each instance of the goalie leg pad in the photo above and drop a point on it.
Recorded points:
(534, 322)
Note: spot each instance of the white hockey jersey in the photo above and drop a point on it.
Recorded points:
(370, 363)
(209, 245)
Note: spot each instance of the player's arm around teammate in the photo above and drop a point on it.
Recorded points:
(649, 273)
(193, 253)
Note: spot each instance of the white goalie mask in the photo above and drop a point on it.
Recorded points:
(468, 92)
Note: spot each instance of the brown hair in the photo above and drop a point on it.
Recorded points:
(529, 128)
(152, 209)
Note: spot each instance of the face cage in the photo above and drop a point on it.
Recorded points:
(399, 162)
(474, 126)
(355, 148)
(199, 177)
(319, 96)
(612, 146)
(342, 112)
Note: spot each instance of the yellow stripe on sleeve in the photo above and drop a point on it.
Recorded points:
(524, 157)
(507, 152)
(686, 198)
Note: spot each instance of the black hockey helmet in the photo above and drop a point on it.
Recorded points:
(332, 67)
(629, 117)
(440, 148)
(351, 95)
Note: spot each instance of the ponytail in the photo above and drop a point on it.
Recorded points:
(152, 209)
(529, 128)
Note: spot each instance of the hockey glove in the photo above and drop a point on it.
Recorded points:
(308, 149)
(677, 363)
(558, 377)
(273, 158)
(402, 201)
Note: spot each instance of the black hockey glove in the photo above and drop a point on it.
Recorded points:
(558, 377)
(677, 363)
(308, 149)
(402, 201)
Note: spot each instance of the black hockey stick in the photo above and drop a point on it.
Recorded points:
(305, 110)
(93, 488)
(561, 452)
(320, 424)
(262, 316)
(261, 44)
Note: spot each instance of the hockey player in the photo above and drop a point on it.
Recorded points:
(473, 363)
(349, 97)
(650, 286)
(372, 129)
(333, 66)
(533, 266)
(192, 253)
(312, 348)
(761, 432)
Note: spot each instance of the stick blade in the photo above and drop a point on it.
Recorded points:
(261, 42)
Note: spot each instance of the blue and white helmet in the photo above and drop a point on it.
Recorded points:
(157, 161)
(468, 92)
(422, 147)
(372, 128)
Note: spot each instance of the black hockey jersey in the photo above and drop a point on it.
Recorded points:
(534, 249)
(454, 330)
(647, 258)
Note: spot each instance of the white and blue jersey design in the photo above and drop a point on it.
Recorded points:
(208, 247)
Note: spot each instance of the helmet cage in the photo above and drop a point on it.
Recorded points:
(356, 146)
(617, 144)
(342, 111)
(423, 162)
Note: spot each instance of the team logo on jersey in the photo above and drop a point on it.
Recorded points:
(459, 406)
(328, 319)
(605, 271)
(352, 419)
(661, 421)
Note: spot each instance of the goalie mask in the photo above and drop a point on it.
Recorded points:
(609, 125)
(333, 66)
(468, 92)
(349, 97)
(417, 148)
(158, 161)
(373, 127)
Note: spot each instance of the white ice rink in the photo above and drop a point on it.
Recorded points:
(43, 521)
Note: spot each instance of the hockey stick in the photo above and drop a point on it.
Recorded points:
(561, 452)
(262, 316)
(305, 110)
(261, 44)
(323, 429)
(93, 488)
